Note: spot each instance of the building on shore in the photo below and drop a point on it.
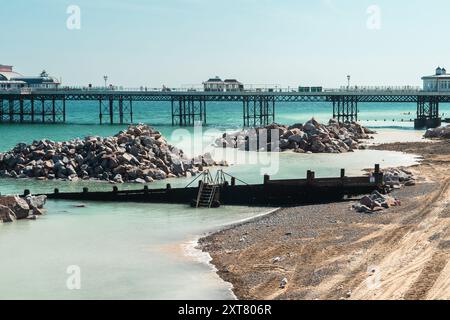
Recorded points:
(439, 82)
(216, 84)
(10, 80)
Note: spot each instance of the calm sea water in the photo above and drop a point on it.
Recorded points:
(143, 251)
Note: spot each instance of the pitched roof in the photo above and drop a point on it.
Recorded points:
(214, 80)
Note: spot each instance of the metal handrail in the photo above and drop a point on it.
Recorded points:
(218, 180)
(227, 174)
(199, 195)
(211, 196)
(196, 178)
(205, 173)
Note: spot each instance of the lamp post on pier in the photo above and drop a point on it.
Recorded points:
(348, 82)
(106, 80)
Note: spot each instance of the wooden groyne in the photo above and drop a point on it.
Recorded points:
(270, 193)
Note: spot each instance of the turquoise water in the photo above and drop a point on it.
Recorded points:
(139, 251)
(123, 252)
(229, 114)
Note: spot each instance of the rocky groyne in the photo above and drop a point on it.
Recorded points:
(438, 133)
(311, 137)
(17, 208)
(139, 154)
(394, 178)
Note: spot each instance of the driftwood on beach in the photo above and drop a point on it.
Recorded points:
(311, 137)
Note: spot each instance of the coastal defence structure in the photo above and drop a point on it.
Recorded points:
(29, 105)
(219, 191)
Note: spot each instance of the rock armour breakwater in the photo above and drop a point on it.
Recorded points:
(439, 133)
(139, 154)
(311, 137)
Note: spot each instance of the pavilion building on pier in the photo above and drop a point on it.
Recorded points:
(10, 80)
(439, 82)
(217, 85)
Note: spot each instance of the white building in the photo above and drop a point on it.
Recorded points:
(439, 82)
(7, 76)
(216, 84)
(10, 80)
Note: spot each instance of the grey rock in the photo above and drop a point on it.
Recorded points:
(36, 201)
(6, 214)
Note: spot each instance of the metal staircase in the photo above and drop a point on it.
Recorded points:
(209, 187)
(206, 195)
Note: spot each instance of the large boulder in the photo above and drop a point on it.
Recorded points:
(37, 202)
(18, 205)
(6, 214)
(21, 208)
(317, 145)
(335, 137)
(310, 127)
(297, 137)
(441, 133)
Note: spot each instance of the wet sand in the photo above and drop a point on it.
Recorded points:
(331, 252)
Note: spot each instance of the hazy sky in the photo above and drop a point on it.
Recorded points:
(180, 42)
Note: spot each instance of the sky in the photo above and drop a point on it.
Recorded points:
(180, 43)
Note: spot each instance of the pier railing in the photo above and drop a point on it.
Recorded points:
(356, 89)
(379, 89)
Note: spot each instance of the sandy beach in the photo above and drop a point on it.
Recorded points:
(332, 252)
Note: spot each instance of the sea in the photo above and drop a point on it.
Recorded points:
(148, 251)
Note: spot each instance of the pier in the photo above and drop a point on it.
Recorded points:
(190, 107)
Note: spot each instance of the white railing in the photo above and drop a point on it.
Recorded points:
(377, 89)
(357, 89)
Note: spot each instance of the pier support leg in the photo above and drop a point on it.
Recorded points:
(11, 110)
(262, 113)
(427, 113)
(345, 108)
(131, 110)
(172, 102)
(186, 111)
(121, 110)
(43, 109)
(100, 112)
(64, 109)
(111, 110)
(273, 109)
(245, 111)
(254, 112)
(53, 110)
(32, 109)
(21, 110)
(334, 108)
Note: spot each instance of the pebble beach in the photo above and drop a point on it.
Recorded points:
(331, 251)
